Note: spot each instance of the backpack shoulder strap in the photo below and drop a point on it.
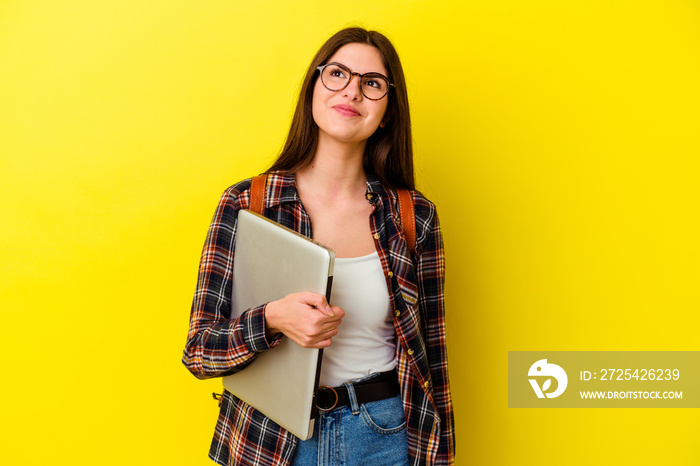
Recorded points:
(257, 193)
(407, 211)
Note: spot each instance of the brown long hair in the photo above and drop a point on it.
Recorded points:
(389, 151)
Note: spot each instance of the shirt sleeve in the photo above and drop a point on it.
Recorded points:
(430, 268)
(216, 344)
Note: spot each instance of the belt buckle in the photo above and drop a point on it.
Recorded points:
(335, 403)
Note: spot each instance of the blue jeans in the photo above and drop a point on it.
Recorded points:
(372, 434)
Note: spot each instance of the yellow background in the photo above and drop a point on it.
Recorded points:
(559, 140)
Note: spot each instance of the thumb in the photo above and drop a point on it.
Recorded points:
(326, 309)
(322, 305)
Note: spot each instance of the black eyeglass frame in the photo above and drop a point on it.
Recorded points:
(352, 74)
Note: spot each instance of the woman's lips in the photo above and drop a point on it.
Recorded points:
(346, 110)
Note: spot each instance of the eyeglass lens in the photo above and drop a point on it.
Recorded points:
(335, 78)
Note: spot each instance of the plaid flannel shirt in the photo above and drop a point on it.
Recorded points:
(218, 346)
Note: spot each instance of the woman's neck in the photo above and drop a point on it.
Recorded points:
(335, 171)
(332, 189)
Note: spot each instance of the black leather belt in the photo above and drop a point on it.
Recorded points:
(385, 385)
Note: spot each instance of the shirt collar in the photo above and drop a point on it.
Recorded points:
(375, 188)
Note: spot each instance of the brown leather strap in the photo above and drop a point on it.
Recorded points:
(408, 218)
(257, 193)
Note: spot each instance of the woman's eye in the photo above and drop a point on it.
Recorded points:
(337, 73)
(375, 83)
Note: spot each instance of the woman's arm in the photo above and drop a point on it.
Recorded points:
(430, 268)
(216, 344)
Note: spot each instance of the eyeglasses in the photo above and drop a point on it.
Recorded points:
(336, 77)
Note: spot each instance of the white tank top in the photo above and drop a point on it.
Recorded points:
(365, 342)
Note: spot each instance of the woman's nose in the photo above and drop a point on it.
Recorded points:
(354, 88)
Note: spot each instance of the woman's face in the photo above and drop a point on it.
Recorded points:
(347, 115)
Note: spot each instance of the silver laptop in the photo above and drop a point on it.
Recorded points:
(270, 262)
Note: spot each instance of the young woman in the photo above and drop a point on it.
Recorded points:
(348, 151)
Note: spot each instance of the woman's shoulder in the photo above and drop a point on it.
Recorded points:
(238, 188)
(421, 201)
(236, 196)
(425, 209)
(276, 188)
(426, 219)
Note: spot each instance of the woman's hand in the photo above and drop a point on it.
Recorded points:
(306, 318)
